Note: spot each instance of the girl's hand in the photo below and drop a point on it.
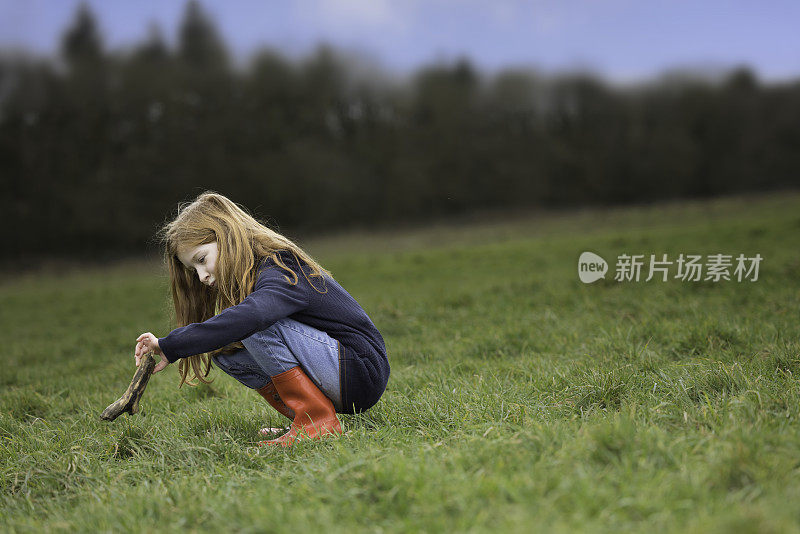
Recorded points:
(145, 343)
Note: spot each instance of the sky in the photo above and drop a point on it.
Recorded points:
(623, 40)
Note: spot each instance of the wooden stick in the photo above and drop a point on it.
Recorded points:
(129, 401)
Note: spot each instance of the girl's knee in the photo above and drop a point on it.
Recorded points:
(230, 362)
(241, 366)
(223, 362)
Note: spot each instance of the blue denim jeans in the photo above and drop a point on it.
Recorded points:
(282, 346)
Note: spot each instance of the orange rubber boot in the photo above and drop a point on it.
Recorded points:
(271, 396)
(315, 416)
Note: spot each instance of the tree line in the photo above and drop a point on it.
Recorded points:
(98, 147)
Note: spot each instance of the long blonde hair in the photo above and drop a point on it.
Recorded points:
(242, 242)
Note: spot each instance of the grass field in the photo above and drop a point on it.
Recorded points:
(520, 398)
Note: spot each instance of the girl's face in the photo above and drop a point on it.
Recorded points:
(203, 259)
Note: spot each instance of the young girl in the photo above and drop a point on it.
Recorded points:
(269, 316)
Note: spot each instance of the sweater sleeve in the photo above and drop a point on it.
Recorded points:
(272, 299)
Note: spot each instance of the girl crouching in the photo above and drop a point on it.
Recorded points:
(270, 316)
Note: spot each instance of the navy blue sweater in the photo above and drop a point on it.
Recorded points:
(363, 365)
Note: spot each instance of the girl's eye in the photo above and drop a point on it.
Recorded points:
(202, 260)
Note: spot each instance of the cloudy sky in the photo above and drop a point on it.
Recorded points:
(625, 40)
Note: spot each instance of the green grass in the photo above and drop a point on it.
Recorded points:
(520, 399)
